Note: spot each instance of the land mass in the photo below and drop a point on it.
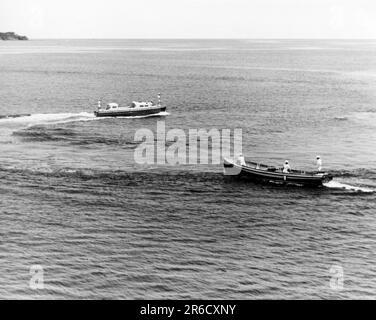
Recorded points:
(11, 36)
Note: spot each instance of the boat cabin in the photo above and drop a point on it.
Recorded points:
(136, 104)
(136, 108)
(112, 105)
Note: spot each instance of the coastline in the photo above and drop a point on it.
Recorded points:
(12, 36)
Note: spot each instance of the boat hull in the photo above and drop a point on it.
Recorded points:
(275, 176)
(130, 113)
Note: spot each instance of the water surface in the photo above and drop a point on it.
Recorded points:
(73, 200)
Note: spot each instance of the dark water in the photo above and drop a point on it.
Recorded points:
(74, 201)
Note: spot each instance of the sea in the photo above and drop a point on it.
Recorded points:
(81, 219)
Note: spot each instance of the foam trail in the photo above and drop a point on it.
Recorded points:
(55, 118)
(50, 118)
(338, 185)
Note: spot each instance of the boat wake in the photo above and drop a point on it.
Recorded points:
(343, 186)
(56, 118)
(127, 175)
(48, 118)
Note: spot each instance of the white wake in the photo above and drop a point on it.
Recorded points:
(49, 118)
(338, 185)
(56, 118)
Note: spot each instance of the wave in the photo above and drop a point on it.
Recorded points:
(133, 174)
(357, 180)
(49, 118)
(57, 118)
(37, 133)
(351, 180)
(355, 173)
(338, 185)
(42, 128)
(192, 181)
(74, 137)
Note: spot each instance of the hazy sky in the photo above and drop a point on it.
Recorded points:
(190, 18)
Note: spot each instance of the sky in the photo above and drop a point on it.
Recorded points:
(351, 19)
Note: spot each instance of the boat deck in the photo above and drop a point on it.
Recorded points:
(261, 166)
(272, 174)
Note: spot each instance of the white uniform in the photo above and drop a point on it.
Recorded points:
(286, 168)
(319, 164)
(241, 160)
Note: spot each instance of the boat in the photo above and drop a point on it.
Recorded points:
(270, 174)
(136, 108)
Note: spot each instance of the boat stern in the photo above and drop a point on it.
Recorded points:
(230, 168)
(327, 177)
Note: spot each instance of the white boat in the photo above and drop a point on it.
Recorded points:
(136, 108)
(270, 174)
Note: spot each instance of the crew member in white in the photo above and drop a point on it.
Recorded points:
(286, 167)
(241, 160)
(319, 163)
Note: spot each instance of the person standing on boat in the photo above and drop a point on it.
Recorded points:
(241, 160)
(319, 163)
(286, 167)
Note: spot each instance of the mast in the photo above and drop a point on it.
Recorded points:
(159, 99)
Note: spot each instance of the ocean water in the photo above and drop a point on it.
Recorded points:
(73, 200)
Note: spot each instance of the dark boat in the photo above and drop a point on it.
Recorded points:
(270, 174)
(135, 109)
